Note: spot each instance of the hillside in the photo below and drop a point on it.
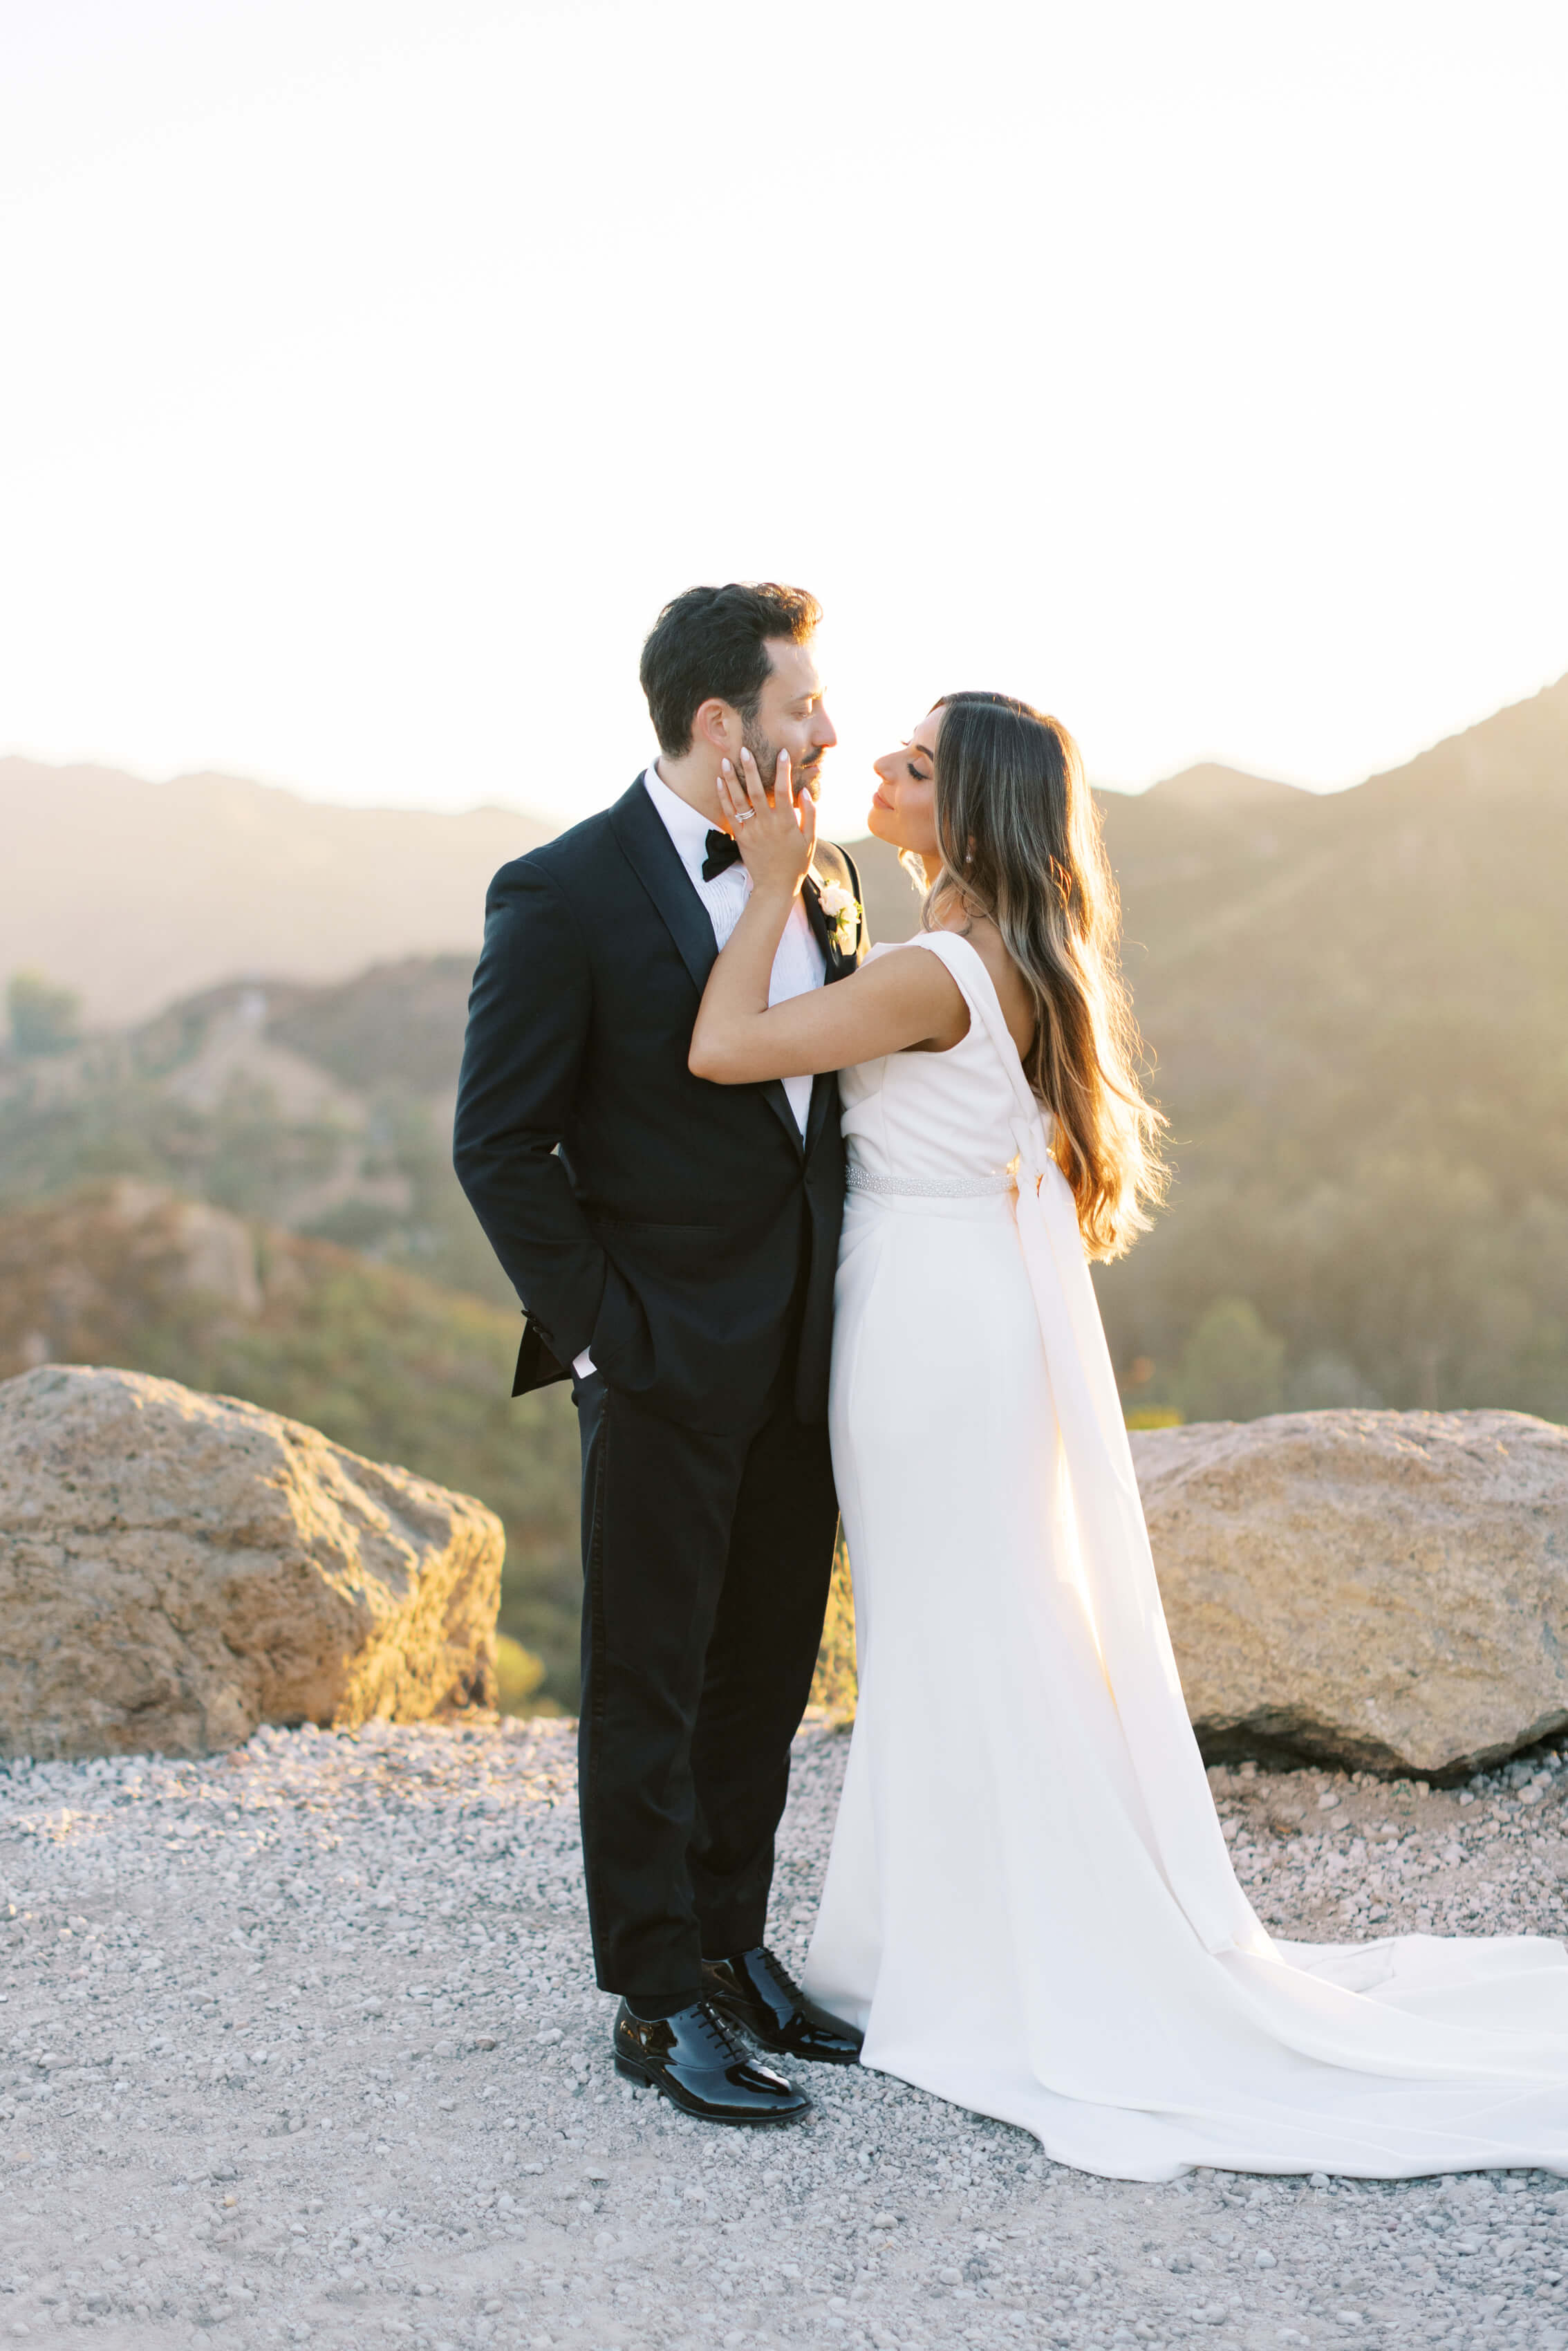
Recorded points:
(132, 893)
(1359, 1010)
(326, 1110)
(1356, 1008)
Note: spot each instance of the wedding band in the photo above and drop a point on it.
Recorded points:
(743, 816)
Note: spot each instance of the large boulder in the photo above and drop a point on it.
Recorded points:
(176, 1568)
(1388, 1591)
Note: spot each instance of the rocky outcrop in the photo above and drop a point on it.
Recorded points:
(1382, 1590)
(176, 1569)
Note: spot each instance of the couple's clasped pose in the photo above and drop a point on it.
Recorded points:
(807, 1227)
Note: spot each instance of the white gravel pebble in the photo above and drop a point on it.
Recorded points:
(300, 2045)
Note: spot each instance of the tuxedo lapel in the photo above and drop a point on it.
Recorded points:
(836, 966)
(652, 857)
(811, 899)
(824, 1097)
(778, 1102)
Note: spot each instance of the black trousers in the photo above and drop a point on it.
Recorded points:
(707, 1562)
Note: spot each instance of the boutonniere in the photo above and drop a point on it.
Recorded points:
(841, 910)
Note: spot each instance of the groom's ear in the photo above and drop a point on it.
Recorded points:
(717, 725)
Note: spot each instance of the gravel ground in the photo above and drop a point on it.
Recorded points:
(299, 2044)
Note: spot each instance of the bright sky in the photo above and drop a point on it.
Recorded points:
(376, 368)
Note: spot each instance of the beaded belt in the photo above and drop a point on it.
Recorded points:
(927, 1187)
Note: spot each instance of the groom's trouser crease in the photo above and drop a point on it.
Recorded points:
(706, 1561)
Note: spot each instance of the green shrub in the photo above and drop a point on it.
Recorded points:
(518, 1674)
(1233, 1366)
(44, 1019)
(834, 1687)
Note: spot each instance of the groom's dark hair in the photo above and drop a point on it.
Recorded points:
(714, 641)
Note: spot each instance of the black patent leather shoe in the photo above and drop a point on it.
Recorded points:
(696, 2062)
(758, 1993)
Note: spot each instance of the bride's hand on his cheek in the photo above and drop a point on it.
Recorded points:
(774, 835)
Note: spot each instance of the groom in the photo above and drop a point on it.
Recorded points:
(674, 1245)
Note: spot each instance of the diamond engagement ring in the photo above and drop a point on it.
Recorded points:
(743, 816)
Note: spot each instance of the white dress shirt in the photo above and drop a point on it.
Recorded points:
(798, 964)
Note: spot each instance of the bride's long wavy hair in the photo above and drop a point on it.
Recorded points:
(1021, 840)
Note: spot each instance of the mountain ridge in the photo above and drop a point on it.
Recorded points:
(137, 895)
(1502, 752)
(1212, 785)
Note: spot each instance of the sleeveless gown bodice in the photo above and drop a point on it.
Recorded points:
(1030, 1907)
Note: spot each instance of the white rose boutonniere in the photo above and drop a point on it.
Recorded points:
(842, 910)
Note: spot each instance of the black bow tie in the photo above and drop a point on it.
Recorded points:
(723, 851)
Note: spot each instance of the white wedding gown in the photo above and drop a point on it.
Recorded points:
(1030, 1908)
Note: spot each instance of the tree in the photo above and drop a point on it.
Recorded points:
(1232, 1367)
(44, 1019)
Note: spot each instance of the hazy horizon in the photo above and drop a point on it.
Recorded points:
(327, 798)
(132, 892)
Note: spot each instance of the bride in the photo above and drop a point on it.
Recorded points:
(1030, 1908)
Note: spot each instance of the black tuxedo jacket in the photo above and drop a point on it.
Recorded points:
(669, 1225)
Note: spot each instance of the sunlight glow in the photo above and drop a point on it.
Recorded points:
(376, 372)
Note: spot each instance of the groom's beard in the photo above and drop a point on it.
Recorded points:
(766, 754)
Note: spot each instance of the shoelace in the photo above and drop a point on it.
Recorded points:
(719, 2033)
(782, 1975)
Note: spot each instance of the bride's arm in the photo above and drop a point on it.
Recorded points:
(886, 1007)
